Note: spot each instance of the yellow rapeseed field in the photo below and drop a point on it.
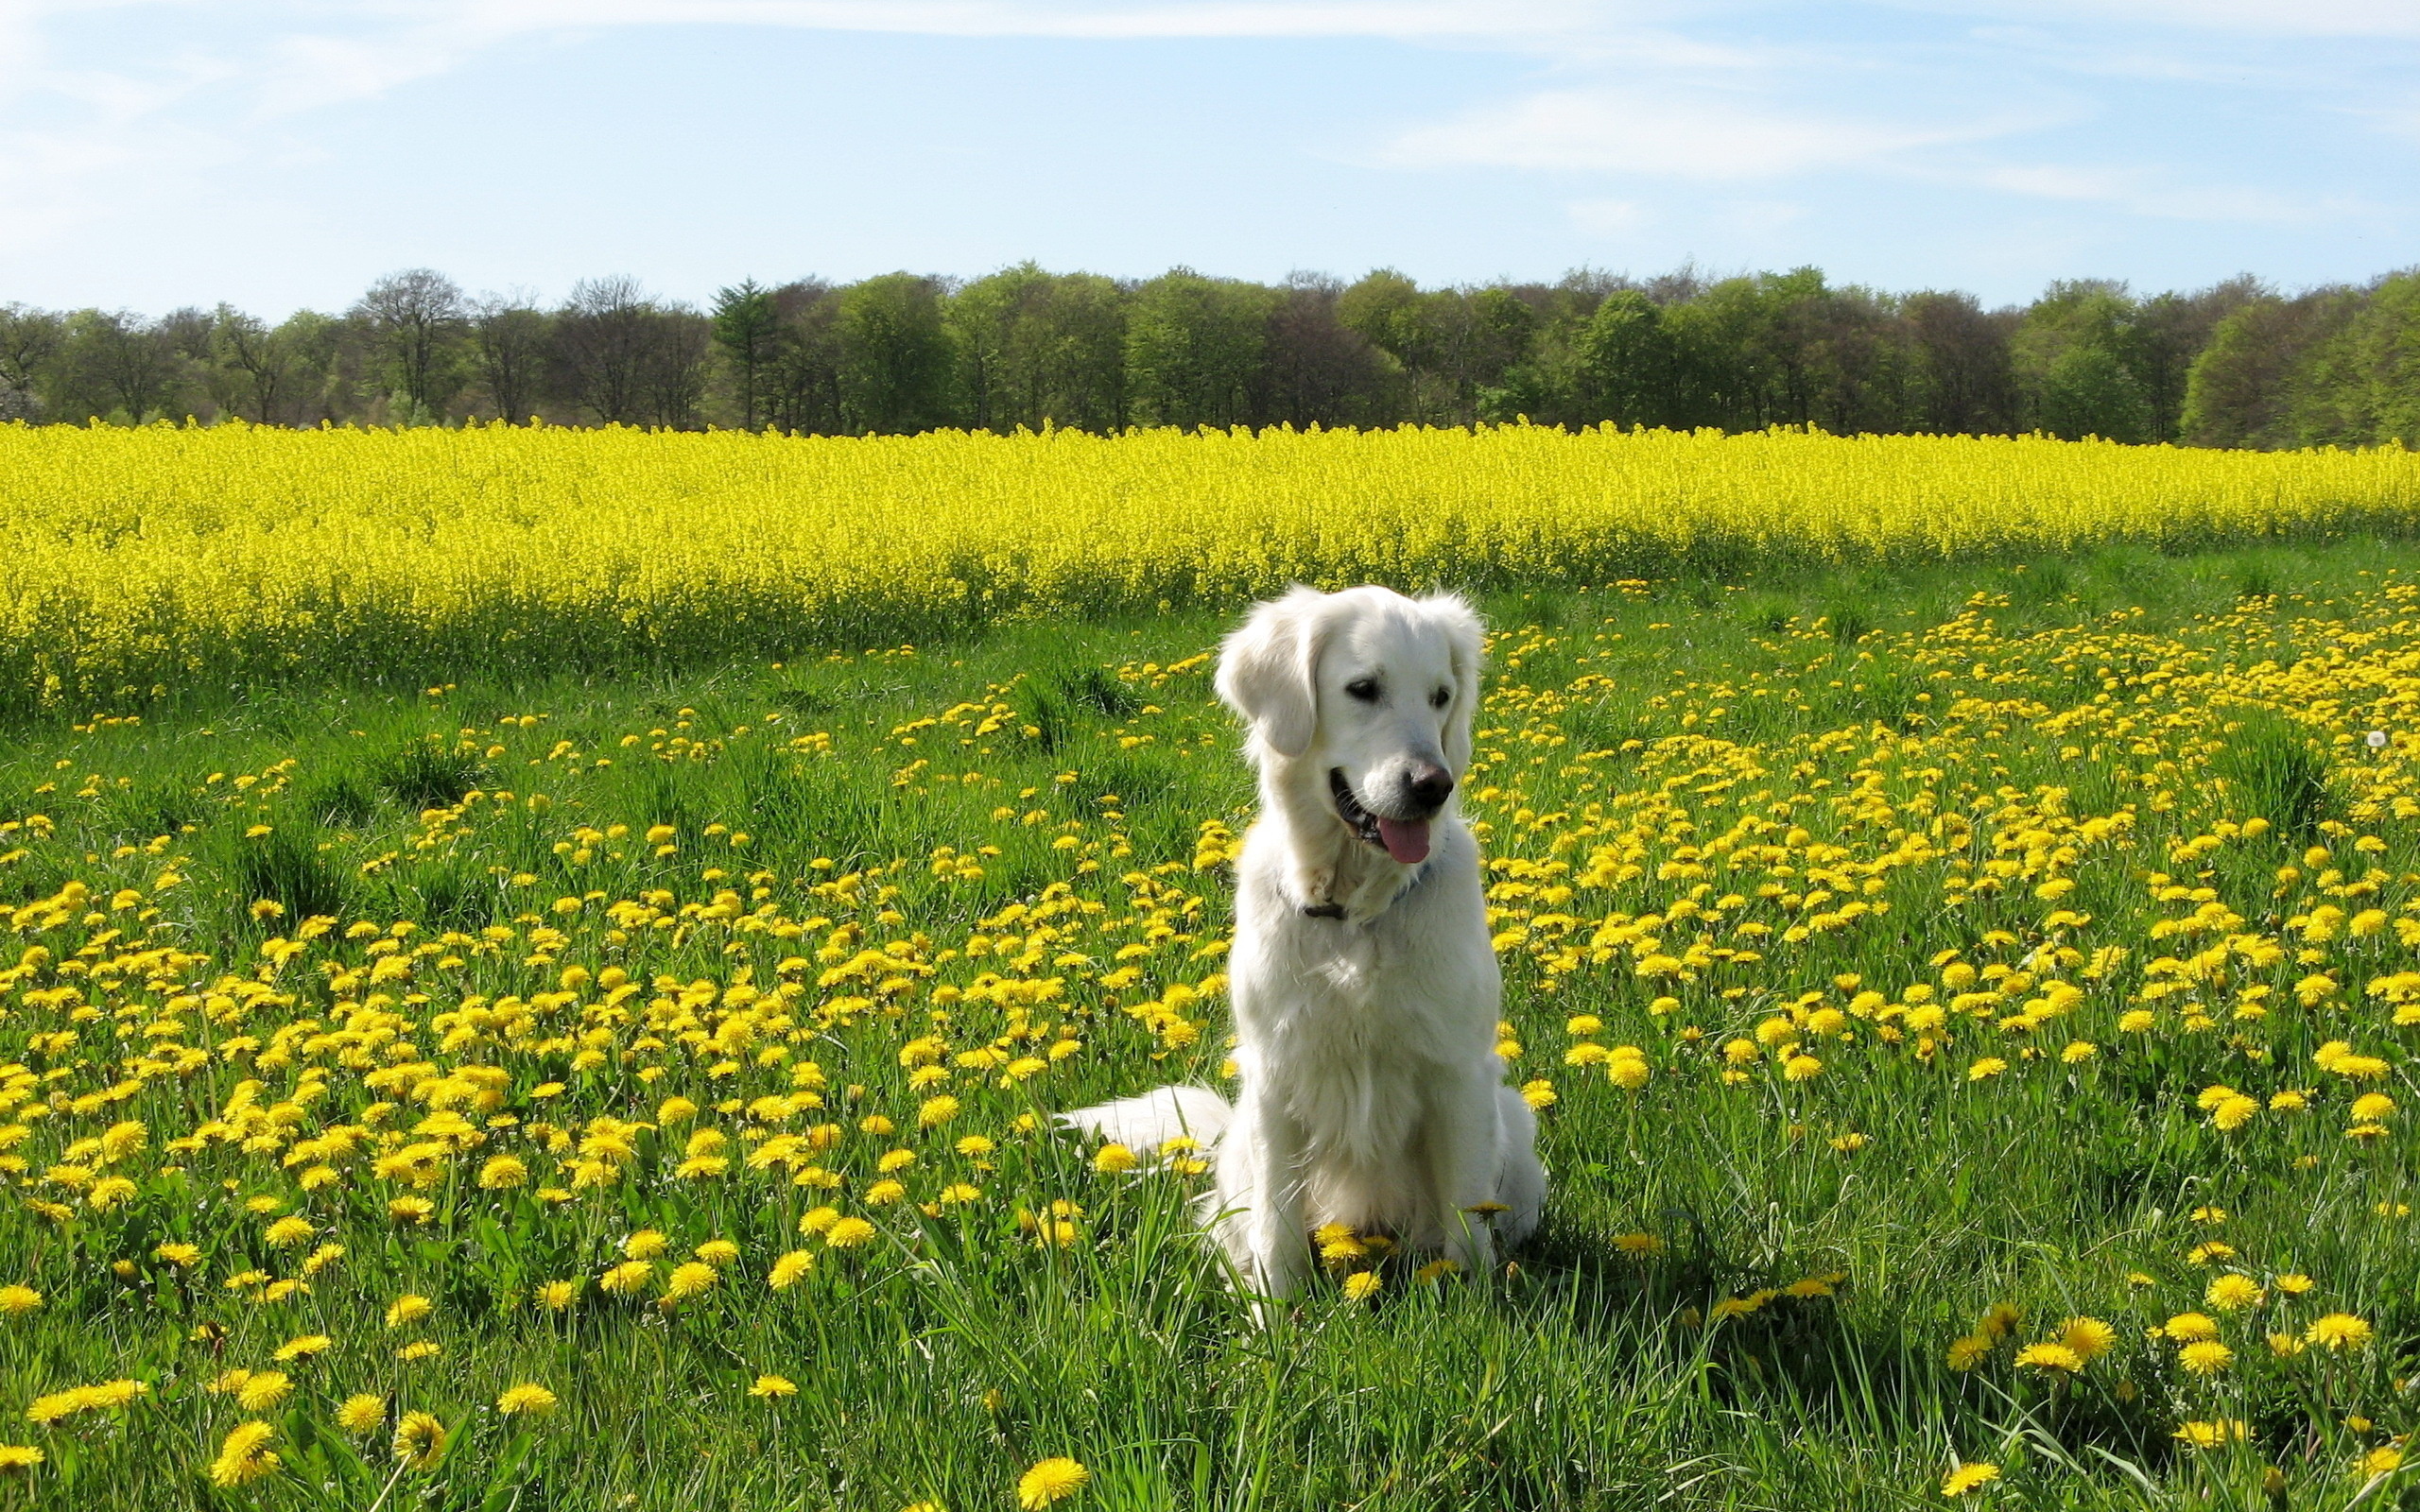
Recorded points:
(163, 557)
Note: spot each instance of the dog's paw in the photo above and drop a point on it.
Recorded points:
(1315, 886)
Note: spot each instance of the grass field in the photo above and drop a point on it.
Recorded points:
(1958, 997)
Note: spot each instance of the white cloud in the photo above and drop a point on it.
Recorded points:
(2291, 18)
(1609, 218)
(1695, 134)
(2140, 193)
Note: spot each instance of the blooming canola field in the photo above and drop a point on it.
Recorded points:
(1971, 1010)
(165, 558)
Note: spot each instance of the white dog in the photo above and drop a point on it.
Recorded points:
(1365, 989)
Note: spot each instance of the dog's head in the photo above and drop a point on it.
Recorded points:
(1371, 692)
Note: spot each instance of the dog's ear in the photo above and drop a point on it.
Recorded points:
(1466, 641)
(1267, 671)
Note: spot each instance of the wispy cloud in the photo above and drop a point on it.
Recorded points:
(2268, 18)
(1671, 133)
(2143, 192)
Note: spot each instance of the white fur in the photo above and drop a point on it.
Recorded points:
(1371, 1094)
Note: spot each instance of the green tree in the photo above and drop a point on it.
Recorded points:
(2089, 392)
(1193, 348)
(2071, 352)
(895, 355)
(746, 325)
(985, 320)
(2360, 384)
(114, 363)
(1625, 363)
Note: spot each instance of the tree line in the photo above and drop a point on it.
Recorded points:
(2238, 364)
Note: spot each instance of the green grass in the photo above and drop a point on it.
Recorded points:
(937, 1361)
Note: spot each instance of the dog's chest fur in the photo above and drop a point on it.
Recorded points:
(1349, 1021)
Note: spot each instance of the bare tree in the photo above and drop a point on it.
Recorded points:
(29, 338)
(508, 341)
(672, 369)
(1315, 369)
(1964, 381)
(800, 384)
(247, 350)
(415, 316)
(600, 348)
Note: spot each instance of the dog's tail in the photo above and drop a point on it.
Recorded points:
(1145, 1122)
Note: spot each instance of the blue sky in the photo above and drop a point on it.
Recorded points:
(281, 153)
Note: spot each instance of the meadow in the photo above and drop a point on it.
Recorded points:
(1967, 981)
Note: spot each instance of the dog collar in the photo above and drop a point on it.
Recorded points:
(1336, 911)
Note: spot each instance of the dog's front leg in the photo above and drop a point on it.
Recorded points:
(1463, 1159)
(1275, 1231)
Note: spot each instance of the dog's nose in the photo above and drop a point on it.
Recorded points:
(1430, 784)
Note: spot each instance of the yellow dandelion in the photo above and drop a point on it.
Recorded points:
(849, 1233)
(2207, 1357)
(787, 1270)
(773, 1387)
(526, 1400)
(2189, 1328)
(1051, 1481)
(410, 1308)
(2210, 1434)
(2339, 1330)
(1969, 1477)
(244, 1456)
(361, 1413)
(688, 1280)
(2054, 1359)
(17, 1459)
(420, 1440)
(2088, 1337)
(264, 1389)
(15, 1301)
(1361, 1285)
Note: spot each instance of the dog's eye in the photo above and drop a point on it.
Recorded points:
(1440, 699)
(1365, 689)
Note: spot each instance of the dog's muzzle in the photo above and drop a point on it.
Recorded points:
(1405, 840)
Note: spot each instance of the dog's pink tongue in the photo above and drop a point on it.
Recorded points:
(1407, 840)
